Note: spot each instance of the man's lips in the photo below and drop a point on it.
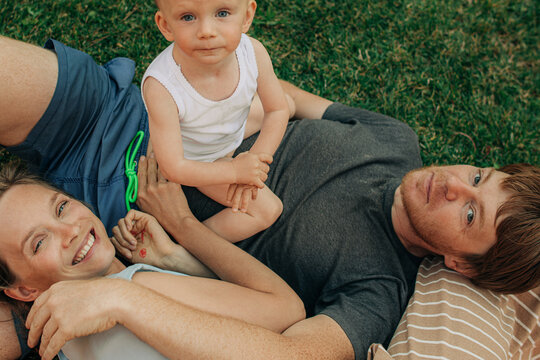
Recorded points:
(428, 186)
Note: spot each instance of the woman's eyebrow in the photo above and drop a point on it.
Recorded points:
(30, 233)
(52, 200)
(28, 236)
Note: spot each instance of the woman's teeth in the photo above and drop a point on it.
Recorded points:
(85, 249)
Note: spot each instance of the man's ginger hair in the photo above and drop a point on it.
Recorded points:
(512, 265)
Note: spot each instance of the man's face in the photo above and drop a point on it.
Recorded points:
(451, 208)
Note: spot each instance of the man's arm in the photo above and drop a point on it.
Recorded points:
(307, 105)
(272, 97)
(28, 76)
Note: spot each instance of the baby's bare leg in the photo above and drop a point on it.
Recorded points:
(236, 226)
(28, 78)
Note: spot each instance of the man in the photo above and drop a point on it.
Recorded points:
(351, 234)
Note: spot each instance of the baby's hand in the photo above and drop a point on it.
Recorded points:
(239, 196)
(140, 239)
(251, 168)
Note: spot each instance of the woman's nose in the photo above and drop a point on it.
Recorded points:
(456, 188)
(68, 233)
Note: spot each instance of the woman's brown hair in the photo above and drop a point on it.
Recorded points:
(11, 174)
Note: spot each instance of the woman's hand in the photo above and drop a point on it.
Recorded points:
(141, 239)
(164, 200)
(74, 308)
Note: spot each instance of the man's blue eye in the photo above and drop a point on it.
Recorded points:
(222, 13)
(477, 178)
(470, 216)
(188, 17)
(38, 245)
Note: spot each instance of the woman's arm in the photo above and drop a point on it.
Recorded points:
(250, 291)
(254, 294)
(176, 330)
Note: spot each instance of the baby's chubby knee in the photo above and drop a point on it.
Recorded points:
(270, 211)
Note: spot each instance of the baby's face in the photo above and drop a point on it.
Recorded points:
(205, 31)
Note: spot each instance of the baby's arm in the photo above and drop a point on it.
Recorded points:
(276, 109)
(167, 145)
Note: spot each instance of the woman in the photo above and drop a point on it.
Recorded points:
(48, 237)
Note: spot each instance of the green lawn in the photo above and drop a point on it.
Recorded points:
(464, 74)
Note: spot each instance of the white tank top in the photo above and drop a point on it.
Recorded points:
(117, 343)
(210, 129)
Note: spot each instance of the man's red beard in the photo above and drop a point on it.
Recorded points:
(419, 215)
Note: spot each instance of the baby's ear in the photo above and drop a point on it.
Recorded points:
(22, 293)
(250, 14)
(163, 26)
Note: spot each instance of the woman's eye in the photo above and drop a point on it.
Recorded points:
(61, 207)
(470, 216)
(38, 245)
(188, 17)
(222, 13)
(477, 177)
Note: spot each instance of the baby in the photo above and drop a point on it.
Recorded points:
(198, 94)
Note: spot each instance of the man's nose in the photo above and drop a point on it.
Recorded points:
(455, 188)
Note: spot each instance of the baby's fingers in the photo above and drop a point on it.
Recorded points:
(267, 158)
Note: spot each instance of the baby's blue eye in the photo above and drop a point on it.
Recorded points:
(470, 216)
(222, 13)
(188, 17)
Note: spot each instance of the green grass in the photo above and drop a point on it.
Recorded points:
(463, 74)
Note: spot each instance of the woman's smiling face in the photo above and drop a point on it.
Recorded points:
(46, 237)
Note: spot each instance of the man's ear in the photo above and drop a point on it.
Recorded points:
(250, 14)
(458, 264)
(163, 26)
(22, 293)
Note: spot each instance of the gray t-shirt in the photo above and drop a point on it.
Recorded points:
(334, 242)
